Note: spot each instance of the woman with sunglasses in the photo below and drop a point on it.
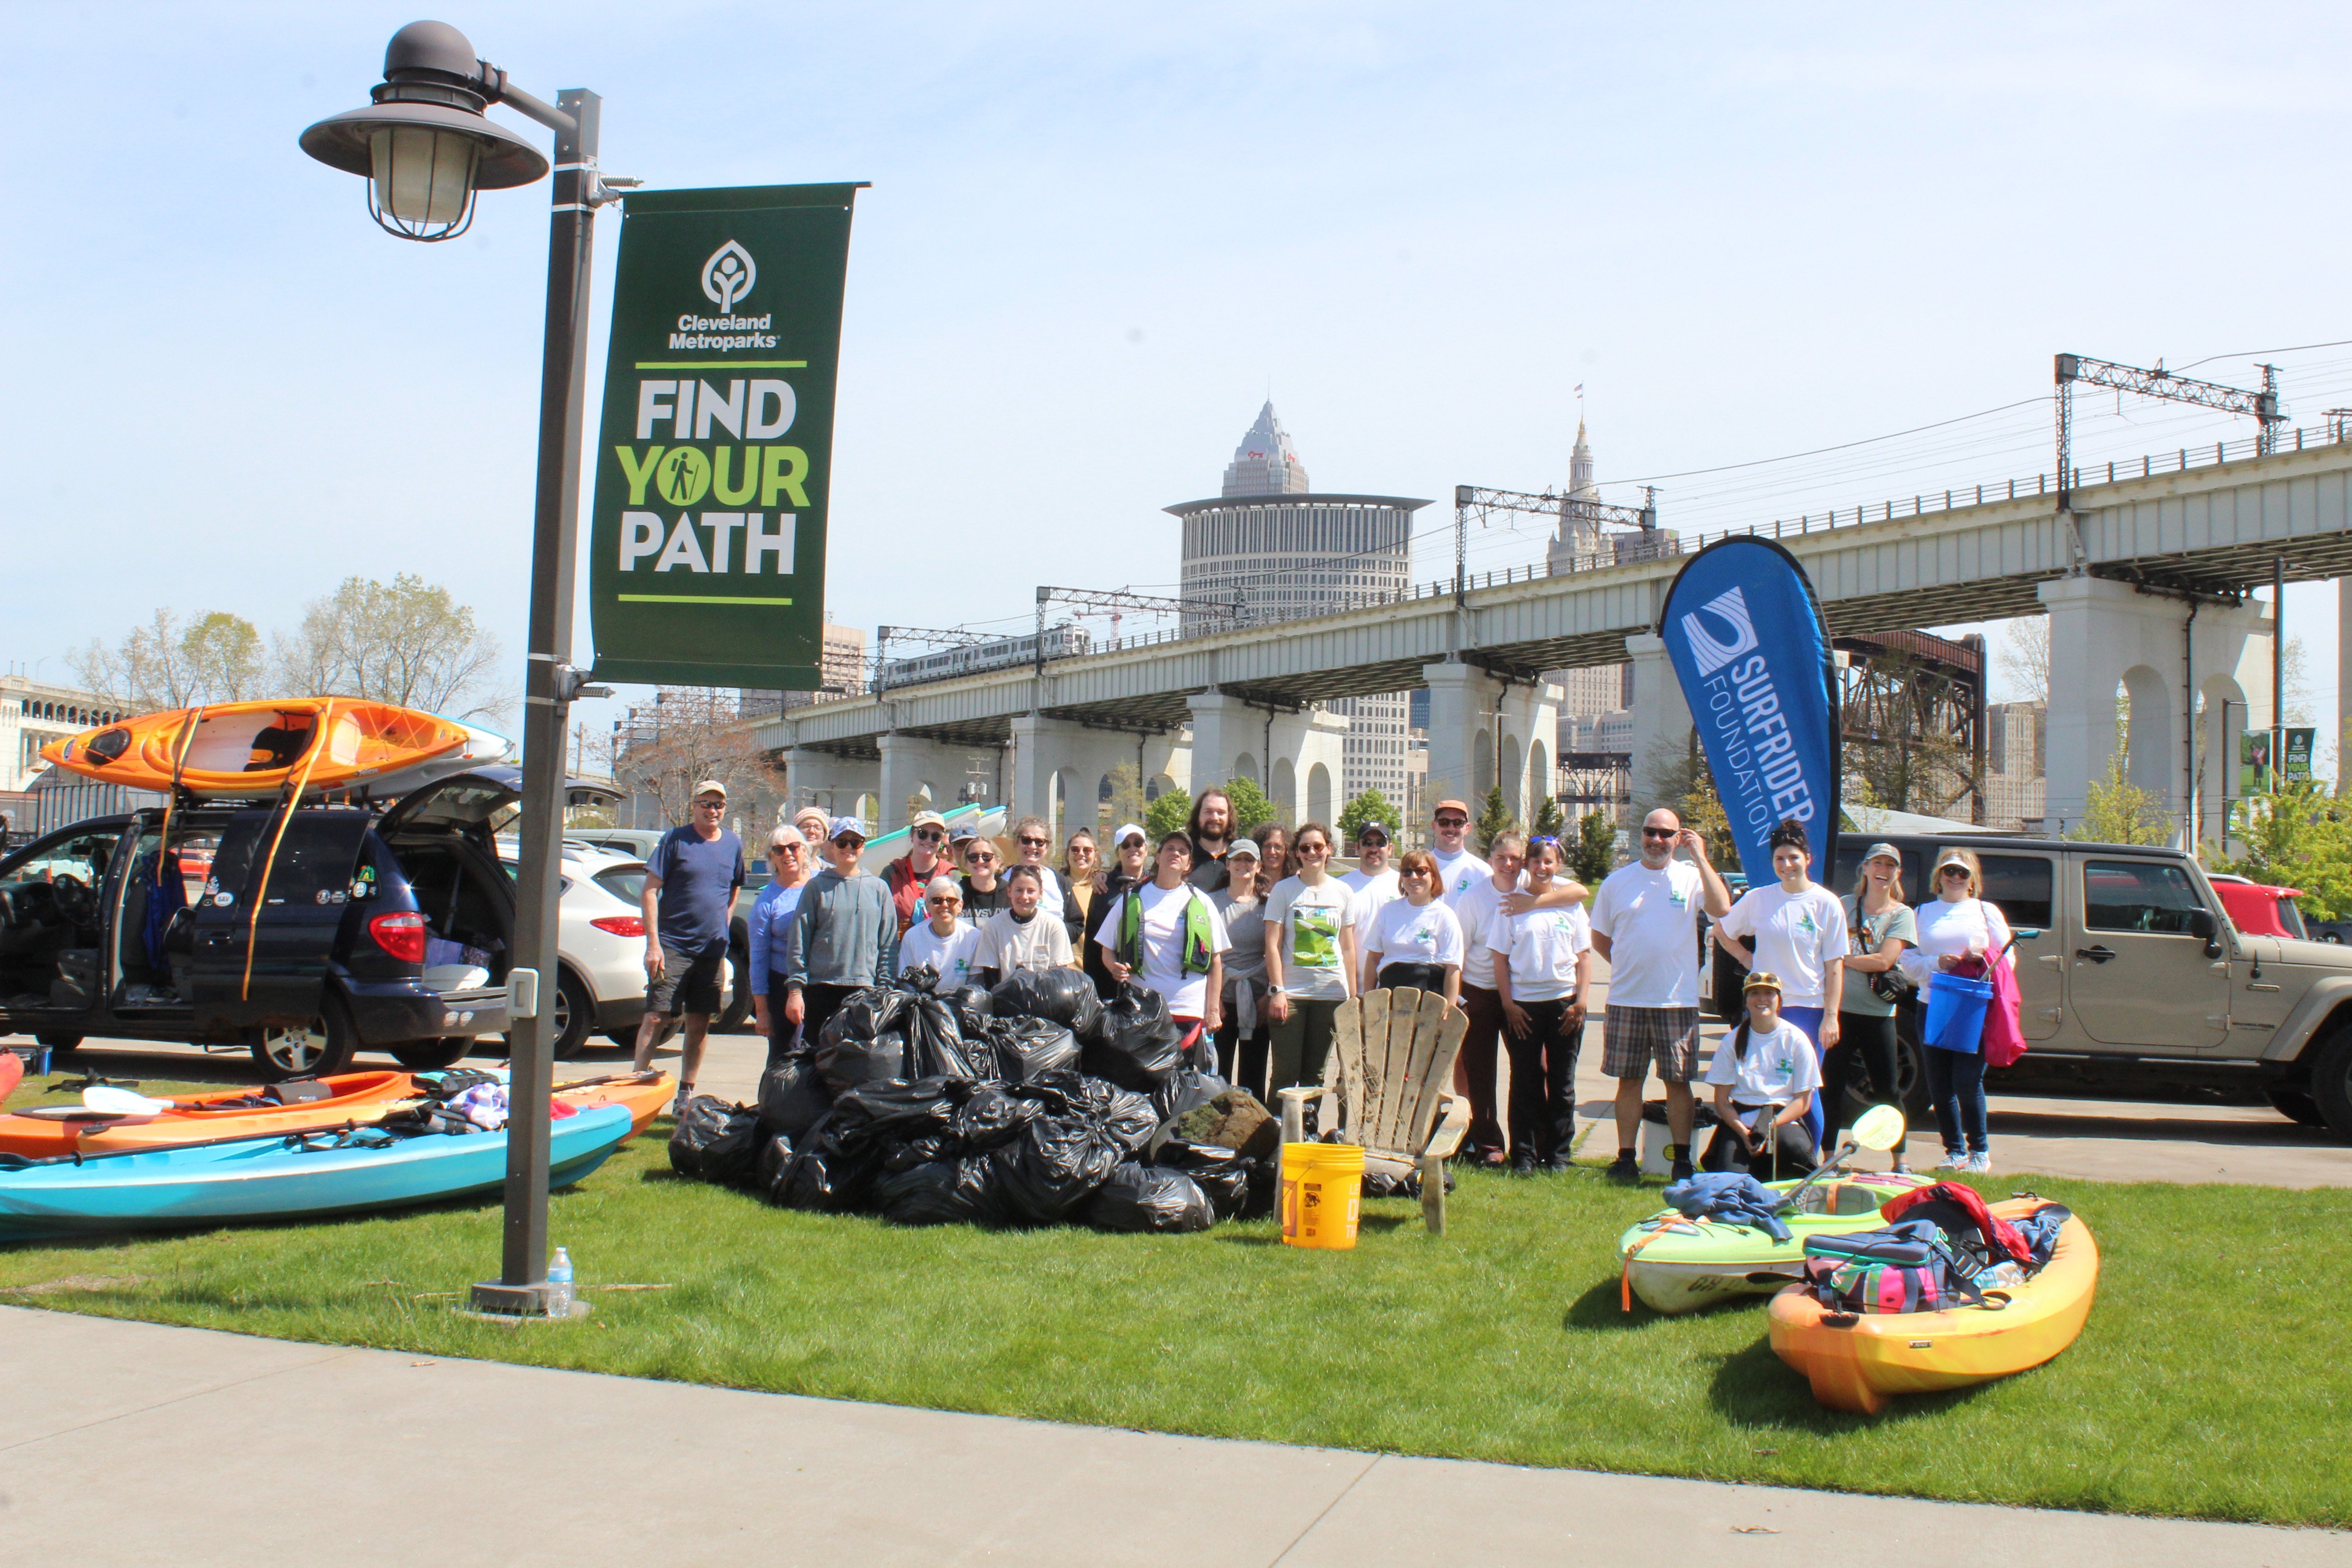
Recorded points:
(1129, 871)
(910, 874)
(1543, 969)
(1306, 968)
(1032, 837)
(984, 882)
(1415, 941)
(1082, 874)
(771, 917)
(1959, 928)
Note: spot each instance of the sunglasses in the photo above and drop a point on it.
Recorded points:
(932, 836)
(786, 848)
(1027, 843)
(1315, 849)
(980, 854)
(1408, 876)
(1953, 871)
(1453, 822)
(1658, 832)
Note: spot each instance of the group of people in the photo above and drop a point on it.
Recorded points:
(1255, 943)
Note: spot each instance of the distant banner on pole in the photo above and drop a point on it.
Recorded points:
(2297, 760)
(1752, 652)
(2253, 762)
(714, 466)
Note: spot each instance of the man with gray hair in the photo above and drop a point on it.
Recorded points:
(1645, 926)
(688, 906)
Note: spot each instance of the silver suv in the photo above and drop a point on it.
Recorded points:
(2133, 981)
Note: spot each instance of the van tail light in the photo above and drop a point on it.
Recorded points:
(401, 934)
(621, 925)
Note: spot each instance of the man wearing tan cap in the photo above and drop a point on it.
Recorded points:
(689, 903)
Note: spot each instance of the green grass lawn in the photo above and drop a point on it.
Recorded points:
(2212, 1379)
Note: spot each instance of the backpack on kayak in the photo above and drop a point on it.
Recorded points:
(1971, 1229)
(1906, 1268)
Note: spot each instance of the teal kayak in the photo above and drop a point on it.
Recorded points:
(281, 1177)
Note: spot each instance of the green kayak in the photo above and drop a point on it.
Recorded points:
(1678, 1265)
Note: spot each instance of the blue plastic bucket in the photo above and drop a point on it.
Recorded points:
(1955, 1013)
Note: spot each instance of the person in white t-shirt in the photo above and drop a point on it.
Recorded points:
(1645, 926)
(1307, 973)
(1415, 941)
(1795, 928)
(1370, 886)
(1021, 935)
(1765, 1075)
(1458, 869)
(1479, 909)
(944, 944)
(1166, 937)
(1542, 969)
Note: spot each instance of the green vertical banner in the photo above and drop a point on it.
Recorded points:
(715, 461)
(2297, 761)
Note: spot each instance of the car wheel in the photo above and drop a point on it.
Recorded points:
(626, 1040)
(574, 1018)
(314, 1049)
(2331, 1083)
(432, 1055)
(2294, 1102)
(60, 1045)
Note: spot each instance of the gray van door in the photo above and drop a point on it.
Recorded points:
(2137, 975)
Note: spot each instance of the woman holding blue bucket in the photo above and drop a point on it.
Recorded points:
(1959, 932)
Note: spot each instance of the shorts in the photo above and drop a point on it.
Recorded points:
(689, 982)
(1633, 1037)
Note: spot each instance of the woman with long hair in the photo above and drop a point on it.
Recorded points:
(1306, 969)
(1957, 929)
(1242, 1039)
(1415, 941)
(1883, 926)
(1082, 870)
(1543, 965)
(1275, 861)
(1132, 869)
(1793, 928)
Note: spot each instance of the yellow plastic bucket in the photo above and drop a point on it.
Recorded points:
(1322, 1194)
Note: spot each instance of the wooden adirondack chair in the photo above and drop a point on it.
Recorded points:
(1392, 1072)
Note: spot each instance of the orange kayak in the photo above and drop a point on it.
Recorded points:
(42, 1131)
(1855, 1361)
(647, 1097)
(242, 749)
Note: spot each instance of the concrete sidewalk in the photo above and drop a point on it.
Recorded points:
(128, 1443)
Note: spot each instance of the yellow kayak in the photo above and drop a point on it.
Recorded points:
(1855, 1361)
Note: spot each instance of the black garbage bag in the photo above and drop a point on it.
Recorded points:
(828, 1175)
(776, 1156)
(852, 1062)
(991, 1116)
(1148, 1198)
(1026, 1047)
(1063, 996)
(1239, 1186)
(792, 1097)
(935, 1047)
(873, 1011)
(1187, 1089)
(974, 1007)
(1140, 1044)
(1051, 1167)
(941, 1192)
(716, 1142)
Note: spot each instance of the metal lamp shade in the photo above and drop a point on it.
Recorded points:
(423, 162)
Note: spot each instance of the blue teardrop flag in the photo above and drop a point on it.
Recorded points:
(1752, 651)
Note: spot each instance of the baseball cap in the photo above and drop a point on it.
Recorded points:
(1461, 806)
(1243, 847)
(845, 827)
(1371, 828)
(925, 819)
(1953, 858)
(1762, 980)
(1884, 850)
(1119, 833)
(710, 786)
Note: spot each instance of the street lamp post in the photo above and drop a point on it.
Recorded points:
(426, 149)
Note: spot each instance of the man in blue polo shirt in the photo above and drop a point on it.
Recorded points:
(689, 902)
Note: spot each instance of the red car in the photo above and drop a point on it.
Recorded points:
(2260, 909)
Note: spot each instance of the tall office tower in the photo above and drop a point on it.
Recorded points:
(1287, 550)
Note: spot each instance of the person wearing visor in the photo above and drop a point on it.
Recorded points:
(1959, 927)
(1131, 851)
(843, 937)
(1764, 1075)
(1884, 928)
(689, 908)
(771, 917)
(909, 877)
(945, 943)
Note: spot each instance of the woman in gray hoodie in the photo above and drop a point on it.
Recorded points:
(844, 936)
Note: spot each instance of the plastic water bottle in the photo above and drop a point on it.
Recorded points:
(558, 1285)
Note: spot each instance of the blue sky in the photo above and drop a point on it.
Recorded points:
(1099, 236)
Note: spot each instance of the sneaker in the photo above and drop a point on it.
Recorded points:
(1953, 1160)
(1523, 1164)
(1625, 1169)
(685, 1093)
(1977, 1164)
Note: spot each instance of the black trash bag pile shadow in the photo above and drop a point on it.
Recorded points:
(1035, 1104)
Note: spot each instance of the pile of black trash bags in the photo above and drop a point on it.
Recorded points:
(1037, 1103)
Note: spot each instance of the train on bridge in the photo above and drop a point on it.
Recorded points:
(1065, 641)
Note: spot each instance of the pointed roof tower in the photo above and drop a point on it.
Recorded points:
(1265, 463)
(1579, 467)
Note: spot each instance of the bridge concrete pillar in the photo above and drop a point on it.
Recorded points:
(1051, 775)
(911, 765)
(1228, 742)
(1530, 721)
(2130, 673)
(1663, 732)
(842, 786)
(1310, 752)
(1464, 707)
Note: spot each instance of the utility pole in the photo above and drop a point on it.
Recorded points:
(2278, 671)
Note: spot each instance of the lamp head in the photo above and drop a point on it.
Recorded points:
(424, 143)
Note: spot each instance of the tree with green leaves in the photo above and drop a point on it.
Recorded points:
(1126, 802)
(407, 641)
(168, 663)
(1251, 810)
(2300, 837)
(1595, 854)
(2117, 811)
(1369, 807)
(1169, 812)
(1549, 820)
(1495, 819)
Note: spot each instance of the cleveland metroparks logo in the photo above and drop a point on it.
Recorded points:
(729, 275)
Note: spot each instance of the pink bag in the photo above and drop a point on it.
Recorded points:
(2004, 1031)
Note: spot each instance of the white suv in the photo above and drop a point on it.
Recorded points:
(600, 943)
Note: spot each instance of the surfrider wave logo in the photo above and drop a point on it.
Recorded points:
(729, 275)
(1710, 654)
